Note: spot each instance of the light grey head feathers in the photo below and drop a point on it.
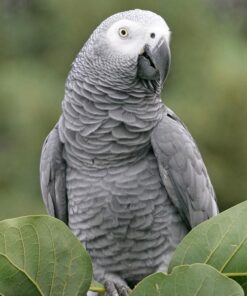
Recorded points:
(112, 53)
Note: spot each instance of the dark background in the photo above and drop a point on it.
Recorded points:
(207, 85)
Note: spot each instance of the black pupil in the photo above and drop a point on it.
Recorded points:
(123, 32)
(152, 35)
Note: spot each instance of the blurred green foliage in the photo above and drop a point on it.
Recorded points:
(207, 86)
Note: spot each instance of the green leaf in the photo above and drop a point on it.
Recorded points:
(39, 255)
(220, 242)
(14, 280)
(188, 280)
(97, 287)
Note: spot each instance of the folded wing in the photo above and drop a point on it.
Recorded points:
(183, 171)
(53, 176)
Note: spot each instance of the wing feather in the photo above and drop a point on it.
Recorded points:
(183, 171)
(53, 176)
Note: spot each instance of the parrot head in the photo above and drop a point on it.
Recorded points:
(130, 47)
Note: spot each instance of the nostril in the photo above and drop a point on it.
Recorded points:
(152, 35)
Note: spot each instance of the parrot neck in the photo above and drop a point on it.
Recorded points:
(105, 126)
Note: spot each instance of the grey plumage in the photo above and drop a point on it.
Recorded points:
(53, 176)
(182, 171)
(120, 167)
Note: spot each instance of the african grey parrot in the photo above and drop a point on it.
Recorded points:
(119, 167)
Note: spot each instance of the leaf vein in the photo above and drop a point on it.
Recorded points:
(38, 267)
(24, 272)
(54, 254)
(23, 247)
(218, 244)
(233, 254)
(200, 287)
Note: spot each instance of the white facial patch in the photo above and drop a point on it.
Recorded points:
(129, 45)
(128, 37)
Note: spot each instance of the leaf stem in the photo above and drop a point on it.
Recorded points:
(97, 289)
(234, 274)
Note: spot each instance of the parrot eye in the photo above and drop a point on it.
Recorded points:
(123, 32)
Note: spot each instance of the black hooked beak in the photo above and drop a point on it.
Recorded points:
(154, 64)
